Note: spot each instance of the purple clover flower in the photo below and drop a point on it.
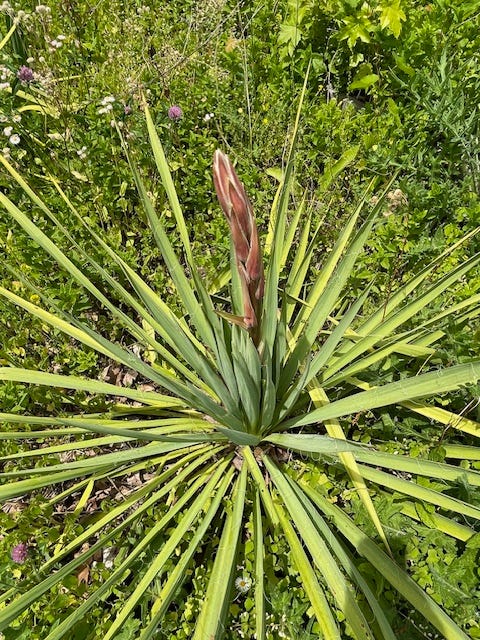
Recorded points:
(19, 553)
(25, 74)
(175, 113)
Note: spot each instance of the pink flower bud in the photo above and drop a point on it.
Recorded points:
(238, 211)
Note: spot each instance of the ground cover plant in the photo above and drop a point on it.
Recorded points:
(392, 88)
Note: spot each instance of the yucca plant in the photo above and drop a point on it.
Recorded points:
(236, 394)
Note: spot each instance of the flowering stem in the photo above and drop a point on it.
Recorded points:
(243, 229)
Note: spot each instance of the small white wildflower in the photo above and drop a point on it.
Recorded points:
(42, 9)
(107, 100)
(61, 37)
(5, 72)
(15, 139)
(82, 153)
(243, 584)
(8, 131)
(208, 116)
(30, 60)
(5, 7)
(17, 118)
(4, 86)
(105, 109)
(3, 117)
(6, 152)
(55, 44)
(109, 554)
(41, 59)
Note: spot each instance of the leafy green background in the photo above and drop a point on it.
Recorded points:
(394, 85)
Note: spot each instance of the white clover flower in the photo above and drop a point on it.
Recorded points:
(61, 37)
(208, 116)
(56, 44)
(5, 72)
(15, 139)
(107, 100)
(6, 152)
(17, 118)
(8, 131)
(243, 584)
(82, 153)
(4, 86)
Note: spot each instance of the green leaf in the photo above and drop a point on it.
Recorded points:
(178, 575)
(210, 622)
(306, 443)
(289, 35)
(274, 267)
(176, 534)
(28, 376)
(391, 17)
(347, 562)
(419, 466)
(333, 169)
(364, 81)
(260, 614)
(388, 568)
(356, 28)
(420, 492)
(304, 567)
(426, 384)
(320, 553)
(8, 35)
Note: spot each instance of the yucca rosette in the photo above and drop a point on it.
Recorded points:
(239, 213)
